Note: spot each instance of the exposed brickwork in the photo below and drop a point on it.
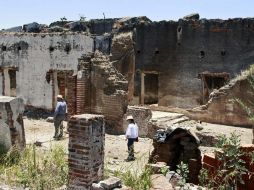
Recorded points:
(71, 94)
(86, 150)
(102, 90)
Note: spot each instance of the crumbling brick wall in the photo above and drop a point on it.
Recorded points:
(222, 109)
(11, 122)
(104, 90)
(123, 58)
(86, 150)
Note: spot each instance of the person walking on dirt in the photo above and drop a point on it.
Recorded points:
(59, 116)
(131, 136)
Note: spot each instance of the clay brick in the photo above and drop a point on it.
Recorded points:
(85, 161)
(210, 160)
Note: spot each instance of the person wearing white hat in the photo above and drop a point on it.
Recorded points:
(131, 136)
(59, 116)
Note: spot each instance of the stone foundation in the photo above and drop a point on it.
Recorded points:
(86, 150)
(11, 122)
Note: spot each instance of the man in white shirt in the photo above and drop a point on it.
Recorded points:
(132, 136)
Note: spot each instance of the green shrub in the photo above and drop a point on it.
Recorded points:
(137, 177)
(232, 167)
(183, 171)
(35, 169)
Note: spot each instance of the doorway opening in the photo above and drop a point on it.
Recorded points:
(210, 82)
(13, 83)
(151, 88)
(8, 80)
(64, 83)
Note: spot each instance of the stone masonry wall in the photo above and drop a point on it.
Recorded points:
(179, 51)
(222, 109)
(86, 150)
(11, 122)
(141, 116)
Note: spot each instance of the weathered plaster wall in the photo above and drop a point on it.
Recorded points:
(35, 54)
(102, 90)
(123, 58)
(173, 50)
(11, 122)
(222, 109)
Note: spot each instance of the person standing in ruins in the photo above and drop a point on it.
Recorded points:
(131, 136)
(59, 116)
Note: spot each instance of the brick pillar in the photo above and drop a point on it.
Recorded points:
(86, 150)
(71, 94)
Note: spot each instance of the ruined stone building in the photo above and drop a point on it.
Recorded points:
(101, 66)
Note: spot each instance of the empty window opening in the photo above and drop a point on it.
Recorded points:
(4, 48)
(179, 29)
(157, 51)
(64, 83)
(210, 82)
(151, 88)
(13, 83)
(223, 53)
(67, 48)
(51, 48)
(201, 54)
(49, 76)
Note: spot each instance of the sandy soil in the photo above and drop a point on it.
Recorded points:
(116, 145)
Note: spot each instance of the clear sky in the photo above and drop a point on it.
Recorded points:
(19, 12)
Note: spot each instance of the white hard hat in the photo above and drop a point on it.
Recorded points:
(129, 117)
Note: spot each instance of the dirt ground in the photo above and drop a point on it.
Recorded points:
(115, 145)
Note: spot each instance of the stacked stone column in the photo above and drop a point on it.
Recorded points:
(86, 150)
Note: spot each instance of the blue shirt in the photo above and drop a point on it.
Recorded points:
(61, 109)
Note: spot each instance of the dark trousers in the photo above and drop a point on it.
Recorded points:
(130, 145)
(58, 123)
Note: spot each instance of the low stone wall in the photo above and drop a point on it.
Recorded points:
(11, 122)
(86, 150)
